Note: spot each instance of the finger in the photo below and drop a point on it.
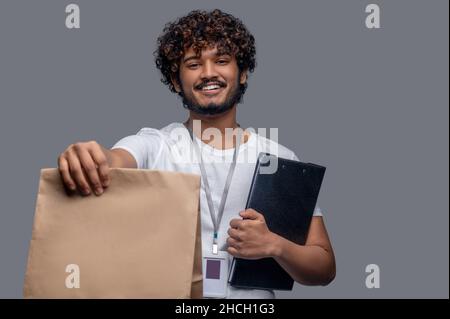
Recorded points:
(65, 174)
(250, 214)
(241, 224)
(233, 252)
(233, 242)
(77, 173)
(234, 233)
(90, 168)
(102, 163)
(236, 223)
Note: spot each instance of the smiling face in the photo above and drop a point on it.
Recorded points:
(209, 82)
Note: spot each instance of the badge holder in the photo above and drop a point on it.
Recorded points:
(215, 279)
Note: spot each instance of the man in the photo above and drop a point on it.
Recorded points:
(205, 57)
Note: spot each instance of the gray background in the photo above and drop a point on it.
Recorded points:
(371, 105)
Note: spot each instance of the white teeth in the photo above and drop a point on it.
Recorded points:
(211, 87)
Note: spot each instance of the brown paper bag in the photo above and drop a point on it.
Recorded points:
(140, 239)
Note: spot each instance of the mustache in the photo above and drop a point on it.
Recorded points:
(209, 82)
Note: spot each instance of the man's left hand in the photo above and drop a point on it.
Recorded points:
(250, 238)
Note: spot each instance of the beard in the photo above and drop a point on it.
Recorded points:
(233, 97)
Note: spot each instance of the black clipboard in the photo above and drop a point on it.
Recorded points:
(287, 199)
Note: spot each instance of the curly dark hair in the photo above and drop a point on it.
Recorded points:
(200, 30)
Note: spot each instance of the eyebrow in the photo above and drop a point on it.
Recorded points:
(195, 57)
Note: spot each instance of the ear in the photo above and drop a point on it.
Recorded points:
(243, 77)
(175, 83)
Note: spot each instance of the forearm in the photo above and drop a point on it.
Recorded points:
(308, 265)
(119, 158)
(113, 161)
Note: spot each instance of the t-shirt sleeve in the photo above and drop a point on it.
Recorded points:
(146, 147)
(317, 210)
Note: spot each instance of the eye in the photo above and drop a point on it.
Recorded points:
(193, 65)
(222, 62)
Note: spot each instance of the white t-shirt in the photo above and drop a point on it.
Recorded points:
(171, 149)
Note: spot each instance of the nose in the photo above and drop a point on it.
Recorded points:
(208, 70)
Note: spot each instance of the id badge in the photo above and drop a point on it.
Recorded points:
(215, 278)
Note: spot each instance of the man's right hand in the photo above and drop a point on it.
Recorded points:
(84, 166)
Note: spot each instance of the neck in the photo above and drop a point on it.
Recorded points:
(219, 122)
